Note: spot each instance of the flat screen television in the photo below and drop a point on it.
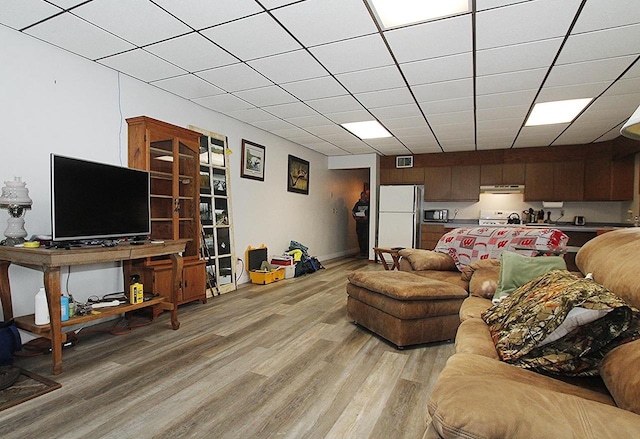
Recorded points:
(92, 200)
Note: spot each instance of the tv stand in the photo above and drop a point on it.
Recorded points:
(50, 261)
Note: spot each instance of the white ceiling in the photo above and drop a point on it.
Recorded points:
(298, 69)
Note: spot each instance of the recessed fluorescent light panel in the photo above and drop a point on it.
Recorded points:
(394, 13)
(367, 130)
(548, 113)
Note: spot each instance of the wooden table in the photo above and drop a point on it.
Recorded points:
(51, 260)
(394, 255)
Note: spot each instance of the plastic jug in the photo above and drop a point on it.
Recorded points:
(42, 308)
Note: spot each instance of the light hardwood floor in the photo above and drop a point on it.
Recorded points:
(278, 360)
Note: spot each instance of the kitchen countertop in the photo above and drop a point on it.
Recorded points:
(563, 226)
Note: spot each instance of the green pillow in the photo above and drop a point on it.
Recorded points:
(516, 270)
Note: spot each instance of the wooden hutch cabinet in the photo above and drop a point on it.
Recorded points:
(171, 155)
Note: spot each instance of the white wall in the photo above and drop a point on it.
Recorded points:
(54, 101)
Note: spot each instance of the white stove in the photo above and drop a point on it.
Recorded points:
(493, 218)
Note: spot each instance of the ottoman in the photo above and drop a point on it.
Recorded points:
(404, 308)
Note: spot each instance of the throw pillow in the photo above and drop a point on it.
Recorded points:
(516, 270)
(427, 260)
(482, 276)
(623, 385)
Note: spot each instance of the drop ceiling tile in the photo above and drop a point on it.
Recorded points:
(496, 143)
(335, 104)
(201, 13)
(272, 125)
(349, 116)
(251, 115)
(514, 112)
(355, 54)
(416, 131)
(385, 143)
(490, 4)
(192, 52)
(451, 118)
(521, 22)
(625, 87)
(253, 37)
(529, 137)
(316, 88)
(385, 98)
(447, 106)
(425, 149)
(142, 23)
(407, 122)
(289, 133)
(496, 126)
(289, 67)
(448, 68)
(601, 44)
(270, 95)
(329, 149)
(294, 109)
(496, 100)
(380, 78)
(425, 41)
(316, 120)
(18, 14)
(589, 71)
(578, 91)
(65, 4)
(397, 111)
(603, 14)
(270, 4)
(142, 65)
(337, 138)
(63, 31)
(223, 103)
(454, 145)
(439, 91)
(537, 54)
(235, 77)
(315, 22)
(188, 86)
(327, 130)
(508, 82)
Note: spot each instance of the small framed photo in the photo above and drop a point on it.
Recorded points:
(298, 175)
(253, 156)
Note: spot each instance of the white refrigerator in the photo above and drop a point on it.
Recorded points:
(399, 216)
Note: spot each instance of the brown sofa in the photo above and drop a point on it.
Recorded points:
(479, 396)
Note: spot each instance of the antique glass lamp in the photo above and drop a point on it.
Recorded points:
(15, 198)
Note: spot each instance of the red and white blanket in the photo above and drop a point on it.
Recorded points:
(469, 244)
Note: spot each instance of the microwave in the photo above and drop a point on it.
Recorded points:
(435, 215)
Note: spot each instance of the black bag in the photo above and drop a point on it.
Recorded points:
(10, 342)
(309, 265)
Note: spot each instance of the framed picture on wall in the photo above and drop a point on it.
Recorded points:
(298, 175)
(253, 156)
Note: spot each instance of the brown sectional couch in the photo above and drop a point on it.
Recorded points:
(479, 396)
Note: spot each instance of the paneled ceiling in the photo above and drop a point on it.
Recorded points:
(299, 69)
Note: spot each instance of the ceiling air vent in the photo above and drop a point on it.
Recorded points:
(404, 161)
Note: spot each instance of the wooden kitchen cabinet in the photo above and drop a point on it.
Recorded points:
(430, 234)
(559, 181)
(609, 180)
(402, 176)
(502, 173)
(437, 183)
(465, 183)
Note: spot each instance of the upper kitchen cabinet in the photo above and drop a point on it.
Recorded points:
(452, 183)
(502, 173)
(402, 176)
(465, 183)
(559, 181)
(437, 183)
(609, 180)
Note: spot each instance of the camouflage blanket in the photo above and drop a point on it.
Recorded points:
(522, 321)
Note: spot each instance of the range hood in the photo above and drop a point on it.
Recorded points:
(502, 189)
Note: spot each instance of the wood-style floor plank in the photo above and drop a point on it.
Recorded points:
(278, 360)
